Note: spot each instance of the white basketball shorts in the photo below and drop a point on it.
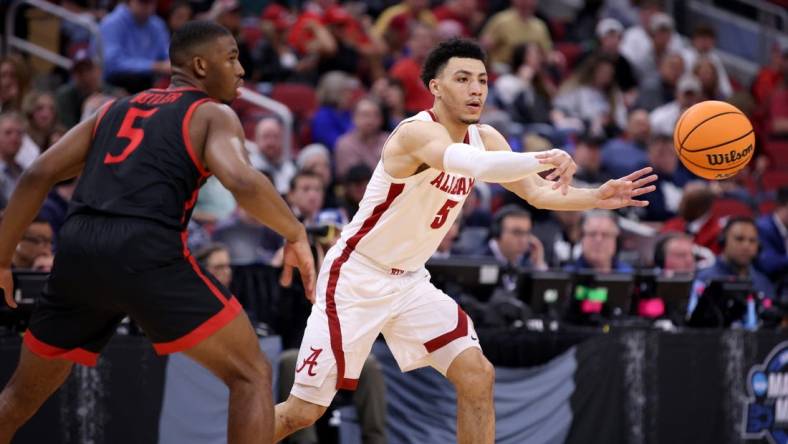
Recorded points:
(357, 299)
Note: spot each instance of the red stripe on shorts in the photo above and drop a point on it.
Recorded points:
(459, 331)
(78, 355)
(334, 328)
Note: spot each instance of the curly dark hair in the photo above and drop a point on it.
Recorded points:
(440, 55)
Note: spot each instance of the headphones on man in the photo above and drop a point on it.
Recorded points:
(730, 223)
(496, 228)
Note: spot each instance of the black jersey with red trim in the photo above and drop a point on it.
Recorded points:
(141, 161)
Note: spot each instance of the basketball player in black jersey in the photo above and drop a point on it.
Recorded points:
(122, 250)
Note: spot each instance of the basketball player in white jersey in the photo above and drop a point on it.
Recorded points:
(374, 281)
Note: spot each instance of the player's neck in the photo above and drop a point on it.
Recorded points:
(179, 81)
(455, 128)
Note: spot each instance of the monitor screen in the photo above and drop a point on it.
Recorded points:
(608, 294)
(477, 276)
(546, 292)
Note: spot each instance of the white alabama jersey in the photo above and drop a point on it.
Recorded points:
(400, 222)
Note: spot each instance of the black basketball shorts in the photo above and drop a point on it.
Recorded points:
(107, 268)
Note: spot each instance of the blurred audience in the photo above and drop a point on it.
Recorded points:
(269, 137)
(674, 254)
(12, 131)
(135, 45)
(15, 79)
(511, 27)
(599, 242)
(408, 69)
(659, 90)
(773, 236)
(36, 241)
(628, 151)
(695, 217)
(688, 92)
(512, 243)
(739, 241)
(702, 46)
(333, 118)
(364, 143)
(86, 80)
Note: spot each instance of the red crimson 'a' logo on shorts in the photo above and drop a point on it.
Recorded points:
(311, 361)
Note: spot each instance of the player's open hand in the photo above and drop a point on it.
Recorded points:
(565, 168)
(298, 254)
(7, 284)
(620, 193)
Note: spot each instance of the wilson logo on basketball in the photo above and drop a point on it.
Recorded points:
(732, 157)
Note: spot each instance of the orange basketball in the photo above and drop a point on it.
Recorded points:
(714, 139)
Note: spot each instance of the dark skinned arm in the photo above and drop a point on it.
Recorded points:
(225, 156)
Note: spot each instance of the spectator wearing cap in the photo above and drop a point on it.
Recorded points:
(269, 136)
(465, 13)
(591, 172)
(773, 235)
(355, 184)
(608, 33)
(664, 118)
(657, 91)
(135, 45)
(645, 45)
(310, 38)
(364, 143)
(408, 69)
(275, 59)
(511, 27)
(85, 81)
(703, 45)
(627, 152)
(332, 118)
(395, 22)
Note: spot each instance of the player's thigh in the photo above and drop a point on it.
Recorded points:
(178, 305)
(233, 352)
(431, 329)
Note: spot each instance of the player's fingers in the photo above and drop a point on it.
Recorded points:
(638, 203)
(643, 190)
(646, 180)
(558, 171)
(308, 278)
(9, 299)
(287, 276)
(636, 174)
(546, 154)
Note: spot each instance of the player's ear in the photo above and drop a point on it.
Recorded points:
(200, 66)
(434, 88)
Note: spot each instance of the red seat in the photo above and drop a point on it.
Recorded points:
(767, 207)
(777, 151)
(728, 206)
(299, 97)
(774, 179)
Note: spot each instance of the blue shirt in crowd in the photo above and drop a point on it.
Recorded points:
(130, 47)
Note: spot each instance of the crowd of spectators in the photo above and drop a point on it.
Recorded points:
(607, 87)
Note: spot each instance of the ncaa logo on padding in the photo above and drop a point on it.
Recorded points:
(766, 413)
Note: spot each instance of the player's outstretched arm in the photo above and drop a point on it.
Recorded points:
(62, 161)
(226, 157)
(541, 193)
(429, 143)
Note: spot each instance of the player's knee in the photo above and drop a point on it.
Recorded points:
(304, 414)
(255, 372)
(473, 374)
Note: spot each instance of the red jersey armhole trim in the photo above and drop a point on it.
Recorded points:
(100, 115)
(187, 139)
